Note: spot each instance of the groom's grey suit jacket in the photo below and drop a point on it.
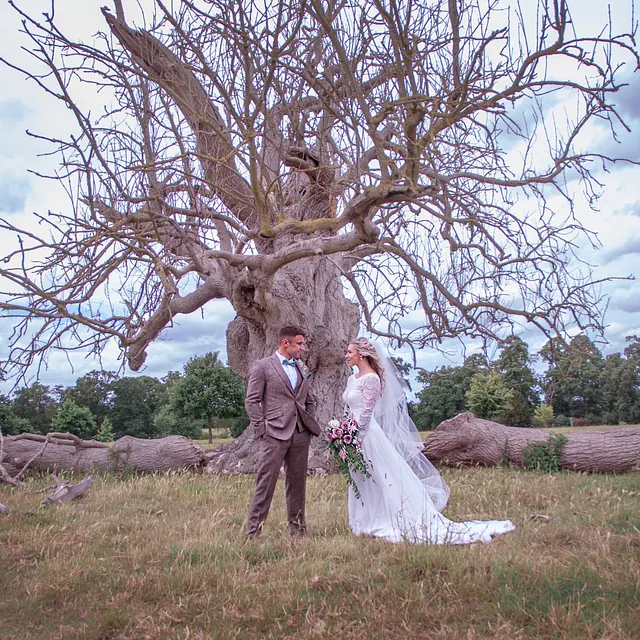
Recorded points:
(274, 406)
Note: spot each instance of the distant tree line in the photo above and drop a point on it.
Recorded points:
(579, 386)
(105, 406)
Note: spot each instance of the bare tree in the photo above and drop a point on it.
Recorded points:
(311, 161)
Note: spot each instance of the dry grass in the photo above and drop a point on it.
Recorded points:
(165, 557)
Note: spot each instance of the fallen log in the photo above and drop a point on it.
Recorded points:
(63, 451)
(470, 440)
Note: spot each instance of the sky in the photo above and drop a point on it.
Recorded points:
(23, 107)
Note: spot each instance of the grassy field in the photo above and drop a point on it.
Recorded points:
(204, 443)
(165, 557)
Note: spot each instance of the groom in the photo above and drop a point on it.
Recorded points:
(280, 406)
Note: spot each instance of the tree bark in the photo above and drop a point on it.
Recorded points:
(470, 440)
(127, 453)
(308, 295)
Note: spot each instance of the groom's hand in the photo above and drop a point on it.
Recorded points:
(260, 430)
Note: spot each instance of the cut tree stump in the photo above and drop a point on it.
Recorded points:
(66, 452)
(470, 440)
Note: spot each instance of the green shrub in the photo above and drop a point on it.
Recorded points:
(545, 455)
(105, 434)
(560, 421)
(11, 425)
(543, 415)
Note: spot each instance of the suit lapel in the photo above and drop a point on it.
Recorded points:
(300, 378)
(277, 365)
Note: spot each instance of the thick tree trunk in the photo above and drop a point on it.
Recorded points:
(308, 295)
(127, 453)
(467, 439)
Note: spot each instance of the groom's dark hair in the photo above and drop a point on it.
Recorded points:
(289, 332)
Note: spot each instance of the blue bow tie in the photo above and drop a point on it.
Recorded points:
(291, 363)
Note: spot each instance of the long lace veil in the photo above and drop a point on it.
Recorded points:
(392, 414)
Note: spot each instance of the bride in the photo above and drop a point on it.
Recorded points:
(403, 497)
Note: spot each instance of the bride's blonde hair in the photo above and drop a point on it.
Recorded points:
(365, 349)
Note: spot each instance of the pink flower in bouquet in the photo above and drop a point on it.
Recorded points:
(342, 442)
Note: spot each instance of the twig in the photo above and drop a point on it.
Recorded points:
(5, 476)
(65, 439)
(37, 454)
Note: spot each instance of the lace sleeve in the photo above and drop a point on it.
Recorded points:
(371, 392)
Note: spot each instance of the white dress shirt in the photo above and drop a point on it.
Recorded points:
(292, 372)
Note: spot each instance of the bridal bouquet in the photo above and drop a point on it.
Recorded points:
(342, 439)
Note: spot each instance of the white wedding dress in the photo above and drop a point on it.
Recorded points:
(394, 503)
